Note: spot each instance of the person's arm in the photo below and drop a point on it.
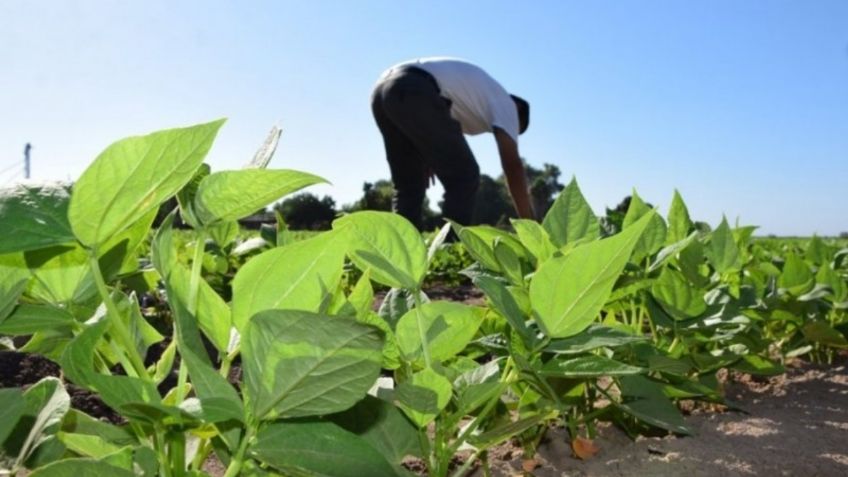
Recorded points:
(516, 177)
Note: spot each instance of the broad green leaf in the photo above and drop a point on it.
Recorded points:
(645, 400)
(817, 251)
(142, 333)
(224, 233)
(796, 277)
(186, 195)
(388, 244)
(593, 337)
(570, 218)
(213, 314)
(818, 292)
(298, 363)
(61, 274)
(298, 276)
(654, 235)
(396, 303)
(753, 364)
(133, 176)
(14, 276)
(678, 297)
(215, 393)
(505, 432)
(124, 458)
(13, 283)
(474, 396)
(535, 239)
(819, 331)
(668, 365)
(78, 366)
(162, 247)
(391, 353)
(679, 223)
(505, 304)
(568, 292)
(361, 297)
(49, 343)
(447, 326)
(88, 445)
(161, 370)
(828, 276)
(480, 250)
(232, 195)
(691, 261)
(30, 319)
(477, 386)
(589, 366)
(722, 251)
(164, 413)
(80, 468)
(509, 263)
(426, 386)
(488, 235)
(669, 251)
(319, 449)
(11, 409)
(34, 216)
(383, 426)
(45, 404)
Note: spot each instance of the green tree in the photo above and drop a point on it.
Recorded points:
(378, 196)
(307, 212)
(544, 186)
(492, 205)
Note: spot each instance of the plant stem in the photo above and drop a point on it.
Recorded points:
(425, 345)
(194, 287)
(196, 269)
(177, 453)
(506, 380)
(227, 362)
(161, 452)
(118, 327)
(461, 471)
(238, 459)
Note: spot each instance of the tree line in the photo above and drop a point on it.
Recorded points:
(307, 211)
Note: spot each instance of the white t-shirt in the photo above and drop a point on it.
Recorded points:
(479, 103)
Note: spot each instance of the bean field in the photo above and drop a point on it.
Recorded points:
(369, 349)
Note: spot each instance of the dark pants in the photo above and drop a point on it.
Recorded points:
(420, 135)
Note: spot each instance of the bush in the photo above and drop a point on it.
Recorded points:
(307, 212)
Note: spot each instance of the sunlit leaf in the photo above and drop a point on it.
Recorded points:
(570, 218)
(568, 292)
(318, 364)
(386, 243)
(133, 176)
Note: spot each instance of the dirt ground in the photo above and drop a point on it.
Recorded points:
(793, 425)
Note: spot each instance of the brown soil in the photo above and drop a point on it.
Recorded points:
(794, 424)
(24, 370)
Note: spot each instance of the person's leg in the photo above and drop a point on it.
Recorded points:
(405, 163)
(415, 107)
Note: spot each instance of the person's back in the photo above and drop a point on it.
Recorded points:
(479, 102)
(422, 108)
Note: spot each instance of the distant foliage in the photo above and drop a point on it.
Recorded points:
(307, 212)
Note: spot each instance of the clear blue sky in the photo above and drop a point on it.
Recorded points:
(741, 105)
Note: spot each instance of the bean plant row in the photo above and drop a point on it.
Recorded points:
(273, 356)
